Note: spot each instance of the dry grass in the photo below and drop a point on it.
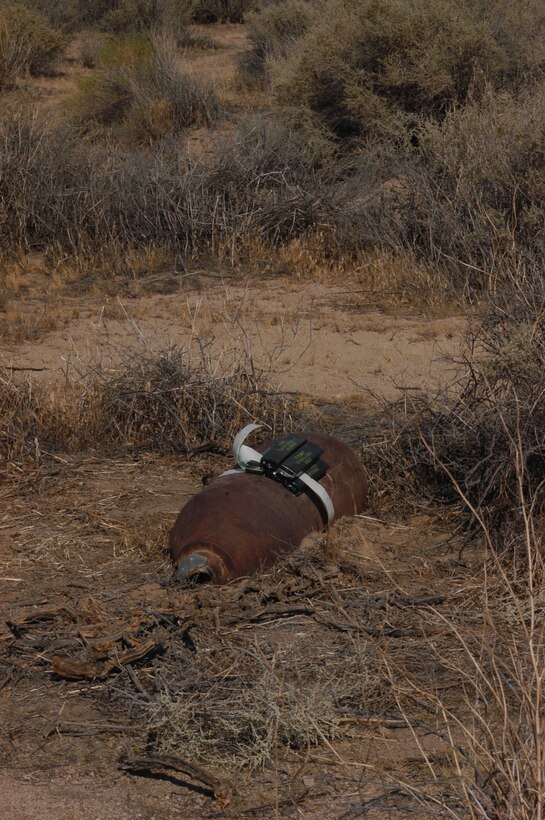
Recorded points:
(17, 325)
(152, 402)
(493, 648)
(139, 87)
(287, 702)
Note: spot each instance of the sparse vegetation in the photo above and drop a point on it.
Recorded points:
(482, 442)
(408, 136)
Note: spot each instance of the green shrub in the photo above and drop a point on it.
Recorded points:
(139, 87)
(27, 43)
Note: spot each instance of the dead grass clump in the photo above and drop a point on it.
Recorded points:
(139, 87)
(152, 402)
(164, 403)
(27, 44)
(18, 325)
(269, 713)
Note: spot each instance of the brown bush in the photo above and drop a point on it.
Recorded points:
(139, 87)
(27, 43)
(273, 33)
(155, 401)
(92, 197)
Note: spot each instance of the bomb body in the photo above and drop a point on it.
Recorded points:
(243, 522)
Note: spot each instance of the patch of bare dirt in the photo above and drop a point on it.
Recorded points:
(310, 338)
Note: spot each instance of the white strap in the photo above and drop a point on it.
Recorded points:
(249, 460)
(322, 494)
(246, 457)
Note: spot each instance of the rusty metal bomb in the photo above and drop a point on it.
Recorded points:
(243, 522)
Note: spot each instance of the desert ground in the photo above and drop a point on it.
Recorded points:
(82, 544)
(330, 686)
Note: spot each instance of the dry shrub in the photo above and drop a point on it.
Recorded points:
(218, 11)
(480, 194)
(27, 43)
(475, 441)
(467, 199)
(116, 16)
(246, 731)
(273, 33)
(88, 197)
(518, 28)
(372, 68)
(165, 403)
(126, 16)
(60, 14)
(156, 402)
(139, 87)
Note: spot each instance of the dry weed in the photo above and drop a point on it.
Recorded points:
(152, 402)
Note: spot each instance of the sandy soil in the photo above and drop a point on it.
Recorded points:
(310, 338)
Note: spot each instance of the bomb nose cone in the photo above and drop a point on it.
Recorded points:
(194, 570)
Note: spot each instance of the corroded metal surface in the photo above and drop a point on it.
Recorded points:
(241, 523)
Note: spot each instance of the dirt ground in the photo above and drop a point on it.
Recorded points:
(81, 545)
(84, 573)
(315, 339)
(82, 556)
